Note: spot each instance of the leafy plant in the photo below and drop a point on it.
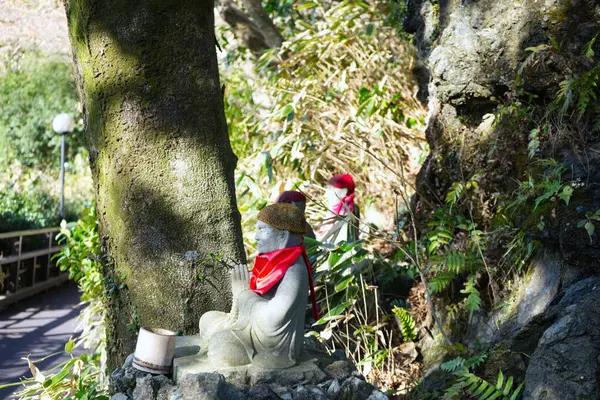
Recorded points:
(407, 324)
(76, 378)
(454, 250)
(577, 93)
(20, 211)
(80, 377)
(33, 90)
(467, 383)
(550, 187)
(458, 188)
(588, 223)
(321, 111)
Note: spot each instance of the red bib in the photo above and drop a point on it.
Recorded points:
(270, 267)
(340, 208)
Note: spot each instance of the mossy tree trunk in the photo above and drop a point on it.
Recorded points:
(161, 161)
(263, 21)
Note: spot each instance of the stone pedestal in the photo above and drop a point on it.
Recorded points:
(187, 361)
(317, 376)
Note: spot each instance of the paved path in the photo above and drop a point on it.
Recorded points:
(38, 326)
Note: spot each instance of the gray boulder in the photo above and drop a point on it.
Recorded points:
(354, 388)
(143, 389)
(202, 387)
(340, 369)
(309, 392)
(565, 363)
(262, 391)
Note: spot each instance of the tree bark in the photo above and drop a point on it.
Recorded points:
(243, 28)
(161, 161)
(264, 23)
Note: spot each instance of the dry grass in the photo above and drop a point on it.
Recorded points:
(340, 100)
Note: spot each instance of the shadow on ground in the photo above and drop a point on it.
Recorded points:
(37, 327)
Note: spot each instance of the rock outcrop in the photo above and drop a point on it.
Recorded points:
(491, 71)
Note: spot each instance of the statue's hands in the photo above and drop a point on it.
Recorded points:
(240, 279)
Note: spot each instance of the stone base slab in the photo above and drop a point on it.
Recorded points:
(188, 361)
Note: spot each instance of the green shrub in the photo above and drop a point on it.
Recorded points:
(33, 91)
(20, 212)
(31, 210)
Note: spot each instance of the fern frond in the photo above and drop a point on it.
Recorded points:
(529, 60)
(408, 327)
(475, 361)
(564, 97)
(481, 389)
(587, 49)
(441, 280)
(587, 87)
(455, 192)
(453, 365)
(534, 142)
(455, 261)
(473, 302)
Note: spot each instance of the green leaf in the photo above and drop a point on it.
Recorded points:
(59, 377)
(441, 280)
(495, 396)
(344, 283)
(554, 42)
(509, 383)
(542, 198)
(408, 327)
(516, 392)
(500, 380)
(306, 6)
(69, 346)
(590, 228)
(335, 312)
(566, 194)
(482, 387)
(333, 259)
(284, 111)
(491, 390)
(453, 365)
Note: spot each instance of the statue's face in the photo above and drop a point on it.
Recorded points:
(269, 239)
(334, 195)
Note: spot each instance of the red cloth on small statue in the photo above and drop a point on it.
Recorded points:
(269, 269)
(343, 181)
(340, 208)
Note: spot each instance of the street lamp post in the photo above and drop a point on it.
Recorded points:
(62, 124)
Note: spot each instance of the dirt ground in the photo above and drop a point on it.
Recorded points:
(33, 25)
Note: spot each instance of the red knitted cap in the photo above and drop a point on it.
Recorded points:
(342, 181)
(291, 196)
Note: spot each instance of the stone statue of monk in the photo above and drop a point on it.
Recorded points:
(343, 215)
(265, 327)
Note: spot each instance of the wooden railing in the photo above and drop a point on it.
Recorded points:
(27, 269)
